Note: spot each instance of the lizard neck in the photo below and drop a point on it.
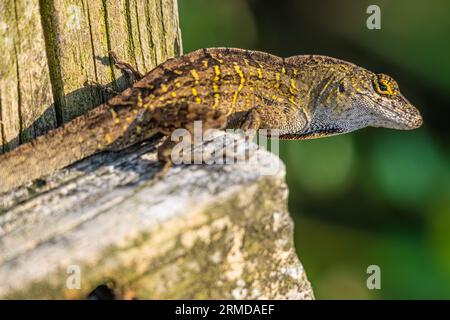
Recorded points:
(326, 114)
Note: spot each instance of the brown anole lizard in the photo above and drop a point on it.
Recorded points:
(303, 97)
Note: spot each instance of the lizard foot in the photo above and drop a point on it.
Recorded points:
(251, 120)
(184, 116)
(132, 73)
(165, 156)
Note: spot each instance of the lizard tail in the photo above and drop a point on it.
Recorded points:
(45, 154)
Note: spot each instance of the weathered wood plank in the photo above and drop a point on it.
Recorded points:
(87, 30)
(26, 109)
(53, 50)
(203, 232)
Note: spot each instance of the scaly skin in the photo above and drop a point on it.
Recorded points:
(302, 96)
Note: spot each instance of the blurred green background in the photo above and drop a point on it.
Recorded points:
(376, 196)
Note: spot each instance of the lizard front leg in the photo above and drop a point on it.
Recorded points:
(126, 67)
(284, 118)
(183, 115)
(132, 73)
(251, 120)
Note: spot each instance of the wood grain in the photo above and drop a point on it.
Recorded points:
(52, 51)
(25, 92)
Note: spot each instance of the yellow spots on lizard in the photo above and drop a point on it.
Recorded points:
(295, 72)
(292, 100)
(246, 63)
(216, 100)
(241, 75)
(115, 117)
(216, 96)
(178, 72)
(164, 87)
(217, 73)
(195, 76)
(139, 100)
(196, 82)
(233, 104)
(218, 58)
(247, 101)
(195, 94)
(293, 90)
(150, 86)
(283, 70)
(205, 63)
(173, 94)
(108, 138)
(293, 87)
(241, 85)
(138, 129)
(277, 81)
(216, 86)
(259, 71)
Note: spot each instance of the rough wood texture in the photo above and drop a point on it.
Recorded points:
(204, 231)
(25, 90)
(53, 50)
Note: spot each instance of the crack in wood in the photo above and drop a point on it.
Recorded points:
(2, 125)
(139, 35)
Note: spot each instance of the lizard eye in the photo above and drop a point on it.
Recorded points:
(384, 85)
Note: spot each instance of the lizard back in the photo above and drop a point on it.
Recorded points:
(230, 79)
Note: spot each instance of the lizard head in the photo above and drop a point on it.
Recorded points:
(382, 100)
(360, 99)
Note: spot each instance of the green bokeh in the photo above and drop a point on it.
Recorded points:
(438, 232)
(323, 166)
(407, 167)
(206, 23)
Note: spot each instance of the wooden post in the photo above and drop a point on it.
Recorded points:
(53, 50)
(202, 232)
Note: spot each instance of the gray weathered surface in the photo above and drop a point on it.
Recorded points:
(203, 231)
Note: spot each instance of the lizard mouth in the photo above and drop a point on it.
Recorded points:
(405, 119)
(399, 114)
(413, 119)
(313, 134)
